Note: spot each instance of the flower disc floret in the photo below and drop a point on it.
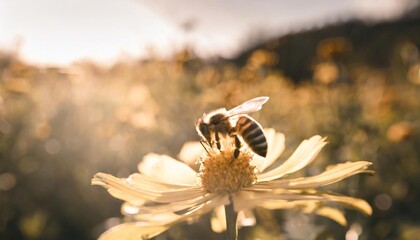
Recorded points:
(222, 173)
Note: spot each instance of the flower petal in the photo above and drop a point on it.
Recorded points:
(276, 147)
(308, 206)
(142, 181)
(178, 206)
(150, 225)
(132, 231)
(333, 214)
(304, 154)
(190, 152)
(356, 203)
(123, 189)
(218, 219)
(167, 170)
(243, 200)
(197, 210)
(117, 188)
(135, 212)
(178, 212)
(331, 175)
(261, 198)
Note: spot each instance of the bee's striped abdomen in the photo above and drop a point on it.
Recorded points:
(252, 133)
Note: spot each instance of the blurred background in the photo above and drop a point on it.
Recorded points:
(94, 86)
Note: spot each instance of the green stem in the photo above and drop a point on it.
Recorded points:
(231, 217)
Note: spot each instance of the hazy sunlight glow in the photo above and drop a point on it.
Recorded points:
(51, 31)
(59, 32)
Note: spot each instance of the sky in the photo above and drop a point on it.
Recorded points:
(61, 32)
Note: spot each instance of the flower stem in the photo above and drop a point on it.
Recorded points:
(231, 217)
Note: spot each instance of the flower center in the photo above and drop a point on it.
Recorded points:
(221, 172)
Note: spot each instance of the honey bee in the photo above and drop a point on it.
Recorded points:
(237, 124)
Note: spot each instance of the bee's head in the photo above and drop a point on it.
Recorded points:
(203, 128)
(217, 118)
(207, 122)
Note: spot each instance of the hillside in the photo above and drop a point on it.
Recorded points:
(349, 43)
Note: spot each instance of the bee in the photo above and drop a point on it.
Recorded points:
(237, 124)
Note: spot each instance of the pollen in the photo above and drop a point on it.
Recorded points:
(222, 173)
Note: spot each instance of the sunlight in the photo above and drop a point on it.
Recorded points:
(52, 32)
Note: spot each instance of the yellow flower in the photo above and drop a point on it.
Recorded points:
(167, 191)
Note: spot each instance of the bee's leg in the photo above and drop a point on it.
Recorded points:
(237, 147)
(217, 138)
(205, 146)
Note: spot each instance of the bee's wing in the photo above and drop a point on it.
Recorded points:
(249, 106)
